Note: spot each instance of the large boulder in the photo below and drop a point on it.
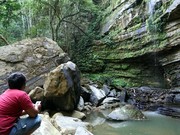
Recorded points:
(33, 57)
(62, 87)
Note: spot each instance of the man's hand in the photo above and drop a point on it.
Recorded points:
(23, 112)
(37, 105)
(35, 110)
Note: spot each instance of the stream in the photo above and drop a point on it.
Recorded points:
(156, 124)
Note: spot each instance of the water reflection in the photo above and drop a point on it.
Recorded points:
(155, 125)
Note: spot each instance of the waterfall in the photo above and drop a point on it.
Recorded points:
(153, 28)
(151, 5)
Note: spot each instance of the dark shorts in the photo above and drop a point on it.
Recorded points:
(25, 125)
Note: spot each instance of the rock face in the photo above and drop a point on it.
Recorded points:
(68, 125)
(61, 124)
(62, 87)
(141, 43)
(97, 94)
(127, 112)
(46, 127)
(33, 57)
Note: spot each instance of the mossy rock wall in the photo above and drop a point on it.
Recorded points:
(140, 43)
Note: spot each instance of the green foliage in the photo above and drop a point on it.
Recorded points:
(82, 45)
(95, 77)
(13, 32)
(38, 29)
(124, 66)
(103, 78)
(119, 82)
(9, 11)
(74, 24)
(89, 5)
(155, 26)
(9, 20)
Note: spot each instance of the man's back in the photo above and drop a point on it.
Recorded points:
(12, 103)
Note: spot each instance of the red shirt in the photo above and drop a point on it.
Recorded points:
(12, 103)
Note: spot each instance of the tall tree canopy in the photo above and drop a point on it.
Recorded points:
(71, 23)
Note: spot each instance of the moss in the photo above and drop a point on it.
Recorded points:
(133, 48)
(135, 27)
(166, 5)
(93, 77)
(102, 78)
(99, 77)
(116, 76)
(125, 66)
(120, 66)
(162, 36)
(133, 76)
(119, 45)
(119, 82)
(115, 32)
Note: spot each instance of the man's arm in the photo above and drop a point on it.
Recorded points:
(32, 112)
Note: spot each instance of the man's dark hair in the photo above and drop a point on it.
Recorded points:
(16, 81)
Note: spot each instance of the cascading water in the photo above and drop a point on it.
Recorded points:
(151, 5)
(153, 28)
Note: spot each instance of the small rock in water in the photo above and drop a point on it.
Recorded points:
(127, 112)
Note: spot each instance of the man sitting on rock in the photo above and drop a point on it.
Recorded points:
(15, 102)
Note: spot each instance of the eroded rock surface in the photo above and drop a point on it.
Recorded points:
(62, 87)
(33, 57)
(140, 43)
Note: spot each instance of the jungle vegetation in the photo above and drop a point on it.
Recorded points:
(73, 24)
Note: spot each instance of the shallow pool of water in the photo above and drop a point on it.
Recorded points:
(155, 125)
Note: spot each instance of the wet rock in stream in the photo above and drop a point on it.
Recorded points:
(169, 111)
(127, 112)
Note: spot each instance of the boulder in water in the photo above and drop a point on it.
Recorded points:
(127, 112)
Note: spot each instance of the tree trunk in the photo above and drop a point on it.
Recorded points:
(4, 39)
(51, 19)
